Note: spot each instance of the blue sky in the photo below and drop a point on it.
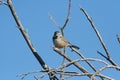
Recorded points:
(16, 57)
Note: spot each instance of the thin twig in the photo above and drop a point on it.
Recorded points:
(64, 51)
(64, 59)
(25, 74)
(66, 21)
(67, 18)
(110, 60)
(118, 38)
(84, 58)
(101, 54)
(2, 2)
(36, 78)
(93, 59)
(99, 37)
(105, 67)
(69, 63)
(73, 74)
(79, 60)
(54, 21)
(65, 65)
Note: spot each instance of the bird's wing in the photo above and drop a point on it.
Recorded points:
(69, 44)
(63, 38)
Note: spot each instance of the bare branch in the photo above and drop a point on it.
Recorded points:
(73, 74)
(69, 63)
(29, 43)
(105, 67)
(79, 60)
(64, 59)
(25, 74)
(93, 59)
(99, 36)
(110, 60)
(69, 59)
(25, 35)
(96, 31)
(84, 58)
(68, 16)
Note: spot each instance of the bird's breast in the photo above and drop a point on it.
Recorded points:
(59, 43)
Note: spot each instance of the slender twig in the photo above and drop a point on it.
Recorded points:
(25, 35)
(25, 74)
(65, 65)
(93, 59)
(84, 58)
(64, 59)
(66, 21)
(2, 2)
(67, 18)
(118, 38)
(54, 21)
(69, 73)
(73, 74)
(101, 54)
(105, 67)
(69, 63)
(90, 74)
(80, 60)
(36, 78)
(110, 60)
(99, 37)
(64, 51)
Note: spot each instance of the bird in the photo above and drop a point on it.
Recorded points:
(60, 41)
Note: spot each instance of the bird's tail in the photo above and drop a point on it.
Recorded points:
(74, 46)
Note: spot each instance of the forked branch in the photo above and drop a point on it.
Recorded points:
(66, 21)
(99, 37)
(67, 18)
